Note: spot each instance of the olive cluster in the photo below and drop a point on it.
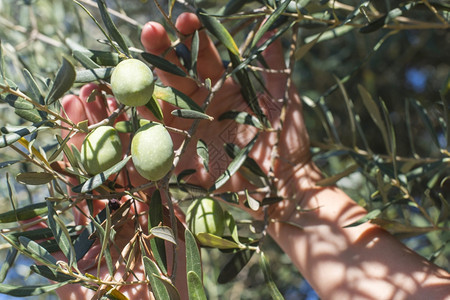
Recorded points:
(151, 147)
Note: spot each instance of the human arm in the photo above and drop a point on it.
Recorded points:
(361, 262)
(340, 263)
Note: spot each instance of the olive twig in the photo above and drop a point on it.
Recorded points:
(166, 17)
(16, 92)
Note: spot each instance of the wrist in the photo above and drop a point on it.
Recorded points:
(308, 204)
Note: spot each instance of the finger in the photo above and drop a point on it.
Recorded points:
(209, 62)
(155, 40)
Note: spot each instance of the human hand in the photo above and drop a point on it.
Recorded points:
(290, 140)
(282, 151)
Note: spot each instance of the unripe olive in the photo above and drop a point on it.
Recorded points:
(152, 151)
(101, 149)
(132, 82)
(205, 215)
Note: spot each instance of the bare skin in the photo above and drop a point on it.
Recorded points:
(362, 262)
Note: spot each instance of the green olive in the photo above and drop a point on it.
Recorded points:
(152, 151)
(132, 82)
(101, 149)
(205, 215)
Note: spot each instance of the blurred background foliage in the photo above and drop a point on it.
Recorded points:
(396, 63)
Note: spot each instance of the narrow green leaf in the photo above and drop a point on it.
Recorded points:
(35, 248)
(171, 5)
(111, 27)
(26, 111)
(84, 58)
(214, 241)
(36, 93)
(272, 18)
(8, 263)
(17, 102)
(105, 58)
(8, 163)
(155, 217)
(11, 194)
(41, 233)
(351, 113)
(29, 290)
(104, 234)
(164, 232)
(235, 265)
(24, 213)
(230, 197)
(304, 49)
(391, 137)
(368, 217)
(84, 241)
(71, 156)
(175, 97)
(153, 106)
(77, 155)
(330, 34)
(158, 288)
(248, 90)
(190, 114)
(184, 56)
(401, 230)
(233, 6)
(114, 294)
(271, 200)
(193, 259)
(274, 291)
(331, 180)
(374, 25)
(250, 169)
(12, 137)
(242, 117)
(58, 150)
(171, 289)
(51, 273)
(14, 242)
(424, 115)
(232, 227)
(124, 126)
(185, 191)
(252, 203)
(94, 59)
(219, 31)
(52, 245)
(375, 113)
(2, 62)
(445, 209)
(62, 83)
(203, 153)
(195, 287)
(34, 178)
(97, 180)
(438, 252)
(235, 164)
(61, 234)
(256, 53)
(163, 64)
(90, 75)
(409, 129)
(194, 52)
